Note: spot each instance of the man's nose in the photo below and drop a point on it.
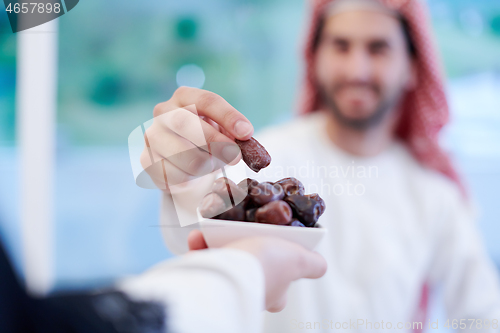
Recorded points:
(357, 66)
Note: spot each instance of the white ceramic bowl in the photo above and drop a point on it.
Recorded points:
(218, 233)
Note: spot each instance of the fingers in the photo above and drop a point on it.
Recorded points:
(179, 152)
(310, 265)
(190, 126)
(216, 108)
(302, 263)
(277, 305)
(211, 122)
(177, 136)
(196, 241)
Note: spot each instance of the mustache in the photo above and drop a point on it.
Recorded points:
(356, 84)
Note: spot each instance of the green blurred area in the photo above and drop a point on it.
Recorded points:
(113, 72)
(118, 59)
(7, 81)
(468, 35)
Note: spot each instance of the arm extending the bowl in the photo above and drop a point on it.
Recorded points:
(221, 290)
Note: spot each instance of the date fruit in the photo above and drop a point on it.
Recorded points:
(250, 215)
(282, 202)
(275, 212)
(321, 202)
(291, 186)
(237, 213)
(228, 190)
(266, 192)
(212, 205)
(306, 210)
(247, 184)
(296, 223)
(254, 154)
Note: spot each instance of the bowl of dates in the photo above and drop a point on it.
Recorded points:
(281, 209)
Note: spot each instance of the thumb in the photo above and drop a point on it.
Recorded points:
(279, 304)
(196, 241)
(312, 265)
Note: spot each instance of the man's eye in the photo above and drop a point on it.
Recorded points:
(340, 46)
(378, 48)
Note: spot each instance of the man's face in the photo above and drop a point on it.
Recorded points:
(362, 66)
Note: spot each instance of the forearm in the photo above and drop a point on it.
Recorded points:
(217, 290)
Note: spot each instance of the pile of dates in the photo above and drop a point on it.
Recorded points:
(282, 202)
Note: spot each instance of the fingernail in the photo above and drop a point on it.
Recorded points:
(230, 152)
(242, 128)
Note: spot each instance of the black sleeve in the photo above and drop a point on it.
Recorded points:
(107, 311)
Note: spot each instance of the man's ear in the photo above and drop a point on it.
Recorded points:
(412, 81)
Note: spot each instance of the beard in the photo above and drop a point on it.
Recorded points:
(385, 105)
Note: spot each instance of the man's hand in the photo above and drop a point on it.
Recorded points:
(173, 139)
(282, 262)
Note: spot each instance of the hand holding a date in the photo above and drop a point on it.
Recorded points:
(192, 134)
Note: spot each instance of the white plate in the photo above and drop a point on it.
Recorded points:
(218, 233)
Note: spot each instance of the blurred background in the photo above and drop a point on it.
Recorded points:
(117, 59)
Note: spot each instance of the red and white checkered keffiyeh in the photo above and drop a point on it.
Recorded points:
(425, 110)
